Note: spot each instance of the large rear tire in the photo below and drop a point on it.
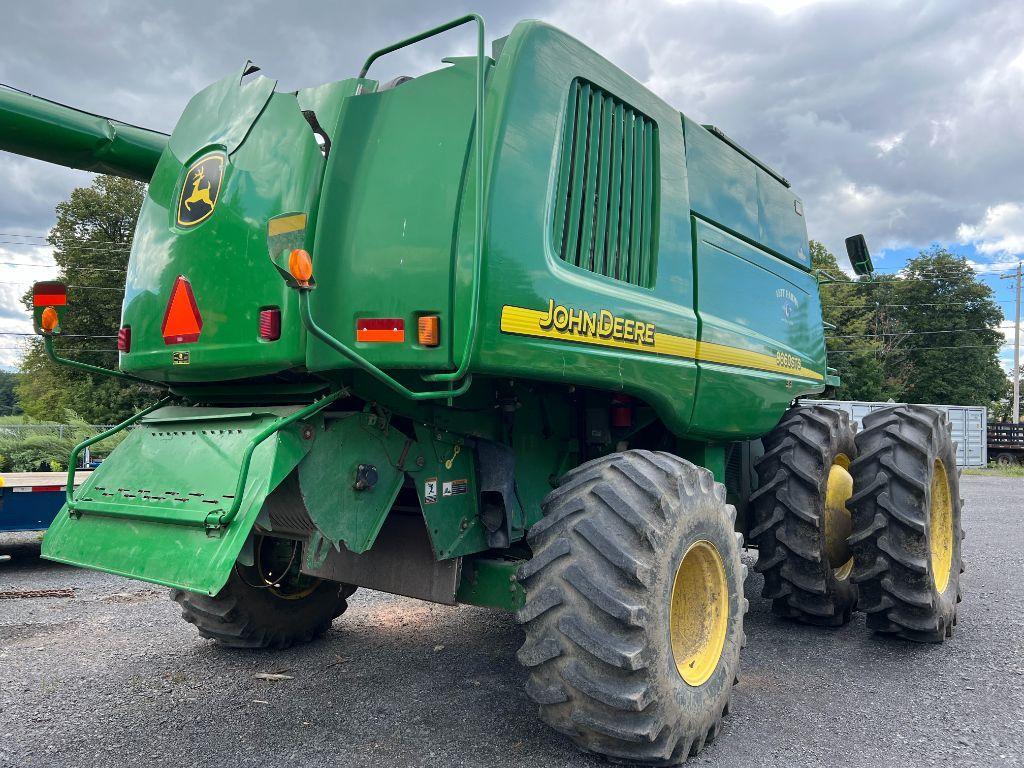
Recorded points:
(634, 607)
(906, 523)
(268, 604)
(801, 523)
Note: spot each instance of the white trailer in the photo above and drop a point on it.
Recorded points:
(969, 425)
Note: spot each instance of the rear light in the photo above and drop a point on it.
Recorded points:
(380, 329)
(270, 324)
(427, 329)
(124, 339)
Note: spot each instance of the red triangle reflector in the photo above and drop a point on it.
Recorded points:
(182, 321)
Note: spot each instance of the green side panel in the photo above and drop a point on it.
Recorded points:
(542, 87)
(221, 114)
(385, 239)
(45, 130)
(447, 490)
(327, 478)
(273, 167)
(491, 582)
(751, 301)
(177, 466)
(731, 190)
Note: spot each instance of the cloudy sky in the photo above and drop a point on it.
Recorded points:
(901, 120)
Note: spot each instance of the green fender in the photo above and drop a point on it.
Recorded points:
(161, 483)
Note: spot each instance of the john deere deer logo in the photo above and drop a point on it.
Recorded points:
(200, 189)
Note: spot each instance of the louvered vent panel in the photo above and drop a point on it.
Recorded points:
(606, 203)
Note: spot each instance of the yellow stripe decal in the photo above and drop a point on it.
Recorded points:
(620, 335)
(284, 224)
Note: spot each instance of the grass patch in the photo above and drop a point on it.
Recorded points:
(993, 470)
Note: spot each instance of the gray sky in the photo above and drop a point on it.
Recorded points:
(902, 120)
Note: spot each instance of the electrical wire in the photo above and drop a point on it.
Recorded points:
(917, 349)
(907, 333)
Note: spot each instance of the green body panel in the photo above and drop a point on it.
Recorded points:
(176, 466)
(491, 582)
(342, 513)
(48, 131)
(273, 167)
(385, 245)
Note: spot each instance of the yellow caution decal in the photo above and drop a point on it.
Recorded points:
(606, 329)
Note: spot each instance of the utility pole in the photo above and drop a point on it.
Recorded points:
(1016, 347)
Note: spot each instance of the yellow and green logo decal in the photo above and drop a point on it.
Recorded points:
(606, 329)
(200, 190)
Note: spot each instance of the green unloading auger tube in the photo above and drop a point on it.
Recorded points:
(175, 502)
(43, 129)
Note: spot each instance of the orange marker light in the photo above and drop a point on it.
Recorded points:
(48, 320)
(300, 266)
(428, 331)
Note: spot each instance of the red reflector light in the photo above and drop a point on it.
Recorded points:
(270, 324)
(49, 294)
(380, 329)
(124, 339)
(182, 321)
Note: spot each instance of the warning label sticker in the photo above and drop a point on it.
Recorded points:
(455, 487)
(430, 490)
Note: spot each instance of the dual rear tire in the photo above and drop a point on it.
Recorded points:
(869, 522)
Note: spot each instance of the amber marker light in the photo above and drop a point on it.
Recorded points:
(300, 266)
(48, 320)
(427, 331)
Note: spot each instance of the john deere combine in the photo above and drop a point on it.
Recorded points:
(514, 333)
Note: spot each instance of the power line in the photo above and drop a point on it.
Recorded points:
(99, 248)
(63, 335)
(47, 237)
(62, 351)
(916, 349)
(908, 333)
(915, 304)
(78, 287)
(57, 266)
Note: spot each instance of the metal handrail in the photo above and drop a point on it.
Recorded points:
(474, 310)
(52, 354)
(77, 450)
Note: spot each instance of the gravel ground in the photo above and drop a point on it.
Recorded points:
(114, 677)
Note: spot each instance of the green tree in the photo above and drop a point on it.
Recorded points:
(91, 241)
(951, 345)
(8, 400)
(928, 335)
(857, 359)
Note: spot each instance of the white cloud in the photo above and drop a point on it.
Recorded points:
(1000, 231)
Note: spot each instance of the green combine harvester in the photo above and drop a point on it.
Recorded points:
(514, 333)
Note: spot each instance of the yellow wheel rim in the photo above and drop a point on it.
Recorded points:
(838, 524)
(940, 527)
(699, 613)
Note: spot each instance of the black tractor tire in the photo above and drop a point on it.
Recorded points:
(800, 542)
(907, 523)
(249, 613)
(600, 593)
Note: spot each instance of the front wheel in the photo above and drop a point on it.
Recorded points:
(269, 604)
(634, 607)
